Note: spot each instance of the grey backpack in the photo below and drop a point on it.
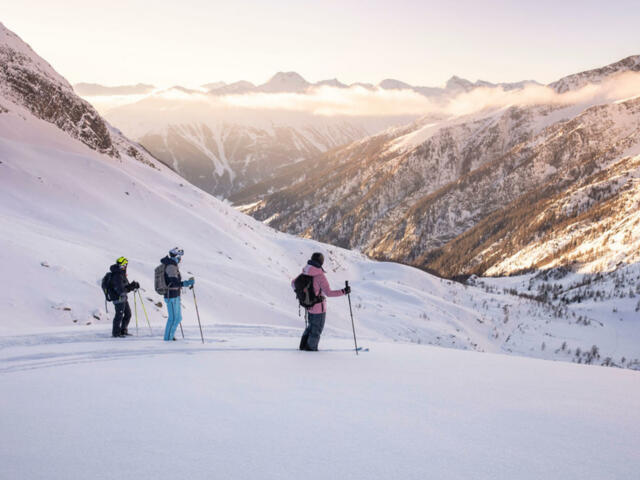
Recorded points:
(160, 283)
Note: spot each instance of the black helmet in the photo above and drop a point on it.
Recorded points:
(317, 257)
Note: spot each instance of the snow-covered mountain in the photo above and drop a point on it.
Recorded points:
(224, 149)
(597, 75)
(229, 148)
(289, 82)
(500, 191)
(29, 81)
(68, 208)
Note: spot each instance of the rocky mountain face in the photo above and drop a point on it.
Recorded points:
(565, 178)
(497, 192)
(224, 158)
(28, 81)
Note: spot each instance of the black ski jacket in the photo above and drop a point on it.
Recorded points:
(172, 277)
(119, 283)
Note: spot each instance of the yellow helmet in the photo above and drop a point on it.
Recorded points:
(122, 261)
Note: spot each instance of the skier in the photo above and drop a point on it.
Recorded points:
(120, 286)
(172, 296)
(318, 312)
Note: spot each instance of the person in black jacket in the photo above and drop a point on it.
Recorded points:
(174, 282)
(120, 286)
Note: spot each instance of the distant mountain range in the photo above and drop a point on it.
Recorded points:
(501, 191)
(227, 150)
(292, 82)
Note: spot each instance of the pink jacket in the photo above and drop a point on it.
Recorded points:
(321, 287)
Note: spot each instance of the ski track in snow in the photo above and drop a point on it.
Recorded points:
(246, 406)
(101, 346)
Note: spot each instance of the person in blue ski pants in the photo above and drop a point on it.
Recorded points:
(172, 297)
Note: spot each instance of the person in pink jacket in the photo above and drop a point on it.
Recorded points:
(317, 313)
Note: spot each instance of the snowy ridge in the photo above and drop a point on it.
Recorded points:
(597, 75)
(27, 81)
(15, 53)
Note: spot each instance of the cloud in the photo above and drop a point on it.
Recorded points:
(331, 101)
(621, 86)
(359, 101)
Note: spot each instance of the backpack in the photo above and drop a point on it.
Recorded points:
(160, 283)
(305, 293)
(107, 288)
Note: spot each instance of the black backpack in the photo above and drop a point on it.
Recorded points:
(107, 288)
(305, 293)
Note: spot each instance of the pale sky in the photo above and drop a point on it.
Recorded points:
(191, 42)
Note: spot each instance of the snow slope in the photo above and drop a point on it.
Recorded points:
(66, 213)
(82, 406)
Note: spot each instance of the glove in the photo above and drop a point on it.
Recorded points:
(189, 283)
(135, 285)
(346, 290)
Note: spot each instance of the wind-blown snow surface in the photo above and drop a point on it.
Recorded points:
(252, 407)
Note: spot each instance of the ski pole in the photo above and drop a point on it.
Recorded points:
(193, 290)
(353, 326)
(135, 309)
(145, 310)
(181, 330)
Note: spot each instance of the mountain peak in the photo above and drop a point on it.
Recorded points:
(235, 88)
(458, 83)
(290, 82)
(213, 85)
(332, 82)
(393, 84)
(287, 77)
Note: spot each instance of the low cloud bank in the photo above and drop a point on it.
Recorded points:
(358, 101)
(361, 101)
(622, 86)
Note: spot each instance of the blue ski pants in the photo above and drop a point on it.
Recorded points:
(311, 335)
(175, 317)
